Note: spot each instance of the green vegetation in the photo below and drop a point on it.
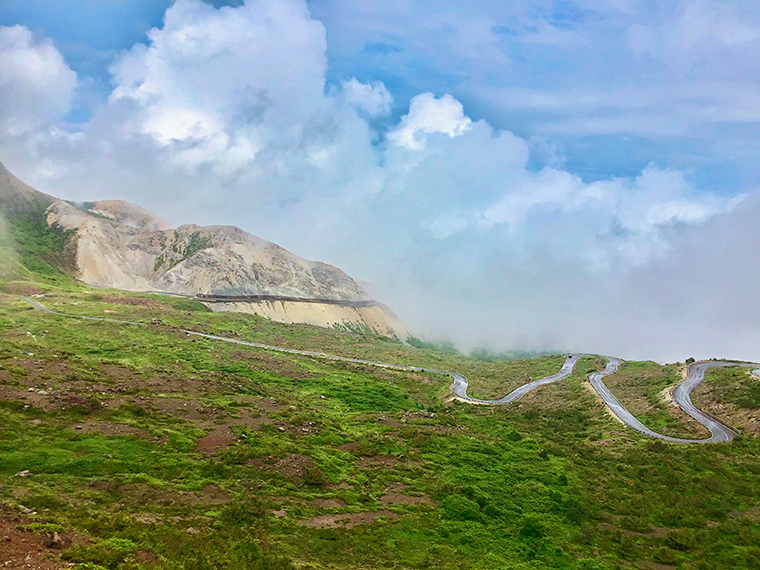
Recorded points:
(176, 253)
(40, 248)
(734, 385)
(195, 244)
(643, 388)
(155, 449)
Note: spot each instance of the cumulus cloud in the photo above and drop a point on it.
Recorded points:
(226, 116)
(221, 85)
(35, 81)
(428, 115)
(374, 99)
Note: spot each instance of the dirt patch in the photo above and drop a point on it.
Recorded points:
(120, 374)
(268, 362)
(20, 549)
(109, 428)
(353, 446)
(142, 494)
(218, 439)
(291, 467)
(348, 520)
(753, 513)
(209, 496)
(393, 498)
(10, 394)
(268, 405)
(391, 422)
(327, 503)
(25, 289)
(146, 558)
(35, 372)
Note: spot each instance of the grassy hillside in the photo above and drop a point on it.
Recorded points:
(146, 448)
(29, 248)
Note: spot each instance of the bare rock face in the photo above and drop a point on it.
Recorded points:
(219, 260)
(128, 214)
(122, 246)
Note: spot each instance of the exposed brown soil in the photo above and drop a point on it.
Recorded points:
(348, 520)
(334, 503)
(26, 289)
(393, 498)
(753, 514)
(341, 486)
(20, 549)
(268, 362)
(291, 467)
(143, 494)
(35, 371)
(391, 422)
(218, 439)
(210, 495)
(138, 494)
(109, 428)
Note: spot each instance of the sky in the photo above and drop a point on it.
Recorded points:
(530, 175)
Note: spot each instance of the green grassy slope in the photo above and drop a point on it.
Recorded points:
(155, 450)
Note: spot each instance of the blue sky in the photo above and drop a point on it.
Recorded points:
(410, 56)
(535, 146)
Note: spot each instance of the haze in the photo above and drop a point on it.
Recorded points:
(525, 175)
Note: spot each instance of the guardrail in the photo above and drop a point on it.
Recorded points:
(282, 298)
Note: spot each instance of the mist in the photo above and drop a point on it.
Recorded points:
(697, 300)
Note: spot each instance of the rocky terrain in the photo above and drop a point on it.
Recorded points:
(118, 245)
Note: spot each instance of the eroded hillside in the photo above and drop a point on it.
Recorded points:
(117, 245)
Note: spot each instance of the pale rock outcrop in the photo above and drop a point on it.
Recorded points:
(122, 246)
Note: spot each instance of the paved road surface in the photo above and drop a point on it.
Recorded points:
(459, 388)
(681, 394)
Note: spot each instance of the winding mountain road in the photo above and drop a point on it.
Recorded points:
(681, 393)
(682, 396)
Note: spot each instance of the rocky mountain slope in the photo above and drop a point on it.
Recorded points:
(114, 244)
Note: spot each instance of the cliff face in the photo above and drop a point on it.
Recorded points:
(122, 246)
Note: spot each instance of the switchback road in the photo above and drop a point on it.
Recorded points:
(681, 393)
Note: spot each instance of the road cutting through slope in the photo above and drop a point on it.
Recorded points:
(681, 393)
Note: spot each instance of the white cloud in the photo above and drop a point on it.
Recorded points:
(428, 115)
(36, 85)
(374, 99)
(221, 85)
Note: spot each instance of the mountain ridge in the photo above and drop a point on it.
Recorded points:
(117, 245)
